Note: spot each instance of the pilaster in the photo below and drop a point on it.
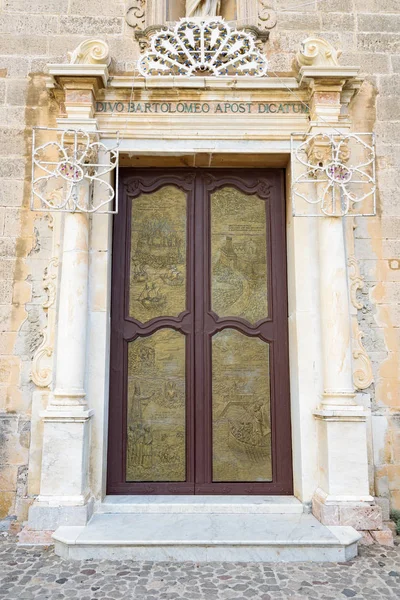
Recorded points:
(65, 497)
(343, 496)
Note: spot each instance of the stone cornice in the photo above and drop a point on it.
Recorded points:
(77, 71)
(329, 75)
(205, 83)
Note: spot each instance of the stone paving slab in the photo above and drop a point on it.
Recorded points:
(36, 573)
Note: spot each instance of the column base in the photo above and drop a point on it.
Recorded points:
(65, 458)
(49, 515)
(358, 512)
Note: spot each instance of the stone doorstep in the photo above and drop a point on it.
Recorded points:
(201, 504)
(207, 538)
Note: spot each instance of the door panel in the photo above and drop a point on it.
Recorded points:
(240, 408)
(158, 254)
(156, 418)
(199, 395)
(238, 255)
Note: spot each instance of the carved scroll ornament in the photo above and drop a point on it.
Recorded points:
(317, 52)
(362, 373)
(91, 52)
(42, 364)
(363, 376)
(42, 367)
(266, 15)
(135, 16)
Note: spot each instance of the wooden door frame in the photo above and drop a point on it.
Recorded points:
(269, 185)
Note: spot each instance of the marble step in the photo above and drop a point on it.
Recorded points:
(201, 504)
(207, 538)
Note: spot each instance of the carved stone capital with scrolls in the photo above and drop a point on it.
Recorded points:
(91, 52)
(317, 52)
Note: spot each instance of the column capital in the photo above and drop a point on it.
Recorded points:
(80, 80)
(320, 72)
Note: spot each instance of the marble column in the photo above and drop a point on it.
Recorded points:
(343, 496)
(64, 489)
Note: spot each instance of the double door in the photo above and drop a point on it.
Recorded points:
(199, 385)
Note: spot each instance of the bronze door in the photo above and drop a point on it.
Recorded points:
(199, 384)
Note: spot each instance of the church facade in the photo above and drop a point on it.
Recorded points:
(200, 265)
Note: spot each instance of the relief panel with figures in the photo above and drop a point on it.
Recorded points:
(158, 254)
(156, 430)
(239, 255)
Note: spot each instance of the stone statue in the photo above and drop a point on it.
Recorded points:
(203, 8)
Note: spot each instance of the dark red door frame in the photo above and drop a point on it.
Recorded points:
(199, 323)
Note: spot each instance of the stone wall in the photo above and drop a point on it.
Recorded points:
(43, 31)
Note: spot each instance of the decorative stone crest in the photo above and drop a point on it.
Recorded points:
(202, 46)
(317, 52)
(91, 52)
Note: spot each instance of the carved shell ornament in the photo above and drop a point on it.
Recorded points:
(202, 46)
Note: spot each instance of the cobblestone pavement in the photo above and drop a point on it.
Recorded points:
(29, 573)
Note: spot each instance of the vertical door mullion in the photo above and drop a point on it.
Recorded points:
(199, 389)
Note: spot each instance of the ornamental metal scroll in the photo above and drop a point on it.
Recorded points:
(333, 174)
(72, 171)
(202, 46)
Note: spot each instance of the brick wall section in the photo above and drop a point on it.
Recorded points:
(37, 32)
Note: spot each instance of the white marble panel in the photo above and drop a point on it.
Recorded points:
(207, 537)
(201, 504)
